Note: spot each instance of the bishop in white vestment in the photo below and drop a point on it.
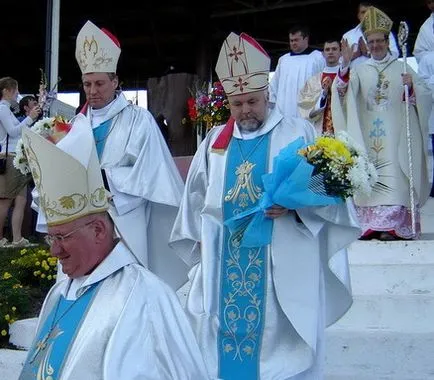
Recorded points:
(258, 313)
(368, 102)
(140, 172)
(111, 318)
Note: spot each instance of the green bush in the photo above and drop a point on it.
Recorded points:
(27, 275)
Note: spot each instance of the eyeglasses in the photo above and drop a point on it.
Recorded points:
(59, 238)
(378, 41)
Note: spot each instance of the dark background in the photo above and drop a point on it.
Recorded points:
(158, 37)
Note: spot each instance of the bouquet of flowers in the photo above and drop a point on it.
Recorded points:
(51, 128)
(306, 175)
(341, 168)
(207, 108)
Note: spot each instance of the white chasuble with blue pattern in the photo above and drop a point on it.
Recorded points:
(100, 134)
(49, 351)
(243, 270)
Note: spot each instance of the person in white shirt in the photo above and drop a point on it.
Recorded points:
(357, 41)
(13, 184)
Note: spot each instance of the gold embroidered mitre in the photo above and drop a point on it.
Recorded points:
(67, 175)
(376, 21)
(96, 50)
(243, 65)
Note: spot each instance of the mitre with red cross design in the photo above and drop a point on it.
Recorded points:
(243, 65)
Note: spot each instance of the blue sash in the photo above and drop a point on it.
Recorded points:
(243, 270)
(49, 351)
(100, 135)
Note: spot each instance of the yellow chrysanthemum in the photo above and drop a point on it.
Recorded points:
(4, 333)
(334, 149)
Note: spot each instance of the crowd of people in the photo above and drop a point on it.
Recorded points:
(128, 232)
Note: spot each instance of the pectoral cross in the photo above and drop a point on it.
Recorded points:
(42, 344)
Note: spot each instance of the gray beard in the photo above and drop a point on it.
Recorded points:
(250, 125)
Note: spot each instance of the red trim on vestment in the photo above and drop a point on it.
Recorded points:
(84, 108)
(345, 77)
(224, 138)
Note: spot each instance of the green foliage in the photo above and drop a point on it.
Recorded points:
(27, 275)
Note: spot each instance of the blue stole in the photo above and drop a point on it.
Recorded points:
(100, 133)
(243, 270)
(50, 349)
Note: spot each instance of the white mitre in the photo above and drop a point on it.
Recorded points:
(67, 175)
(96, 50)
(243, 65)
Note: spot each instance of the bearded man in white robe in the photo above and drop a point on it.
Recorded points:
(369, 103)
(260, 312)
(425, 38)
(110, 318)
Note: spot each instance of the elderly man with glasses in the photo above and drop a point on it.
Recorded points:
(369, 102)
(111, 318)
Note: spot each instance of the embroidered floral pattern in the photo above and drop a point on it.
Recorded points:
(243, 312)
(376, 135)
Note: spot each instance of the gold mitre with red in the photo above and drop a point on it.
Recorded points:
(243, 65)
(96, 50)
(376, 21)
(67, 175)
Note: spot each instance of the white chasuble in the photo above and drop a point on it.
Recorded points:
(306, 268)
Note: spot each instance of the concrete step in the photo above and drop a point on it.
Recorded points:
(392, 268)
(11, 362)
(22, 332)
(379, 354)
(402, 252)
(410, 314)
(398, 279)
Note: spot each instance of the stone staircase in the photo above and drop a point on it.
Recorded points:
(388, 334)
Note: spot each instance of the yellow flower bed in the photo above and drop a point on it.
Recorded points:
(25, 279)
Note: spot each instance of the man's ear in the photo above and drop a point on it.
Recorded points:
(116, 82)
(100, 229)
